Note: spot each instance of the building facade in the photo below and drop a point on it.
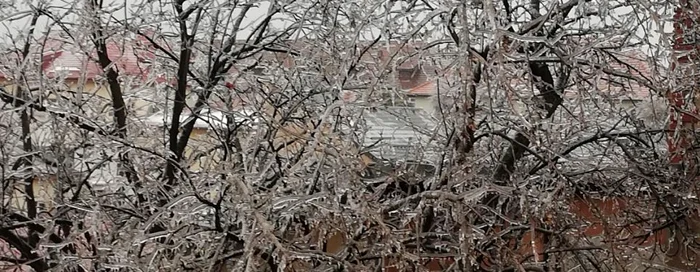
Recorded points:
(683, 100)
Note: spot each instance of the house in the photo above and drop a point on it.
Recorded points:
(57, 72)
(684, 65)
(684, 121)
(599, 102)
(621, 97)
(71, 71)
(604, 102)
(64, 68)
(390, 139)
(396, 140)
(60, 72)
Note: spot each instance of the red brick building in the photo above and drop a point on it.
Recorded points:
(685, 45)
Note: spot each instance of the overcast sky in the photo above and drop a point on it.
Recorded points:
(15, 20)
(126, 8)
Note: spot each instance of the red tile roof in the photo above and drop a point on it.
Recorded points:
(132, 57)
(128, 61)
(67, 60)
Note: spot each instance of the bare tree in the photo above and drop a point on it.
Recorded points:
(220, 136)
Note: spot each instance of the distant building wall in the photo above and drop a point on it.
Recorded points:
(424, 102)
(44, 189)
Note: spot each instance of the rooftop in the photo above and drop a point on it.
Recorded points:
(67, 59)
